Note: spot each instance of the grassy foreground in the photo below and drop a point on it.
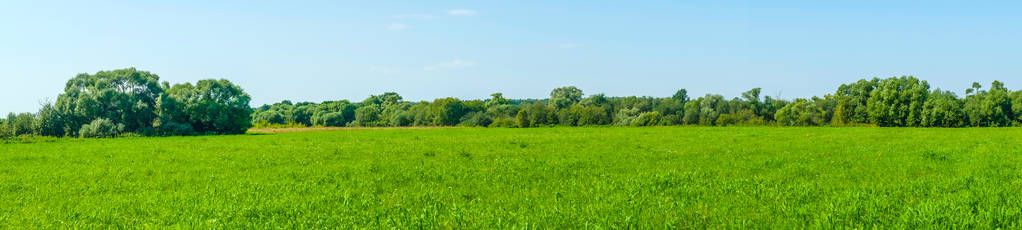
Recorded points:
(547, 178)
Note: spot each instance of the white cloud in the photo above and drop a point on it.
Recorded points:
(462, 12)
(397, 26)
(569, 45)
(413, 16)
(455, 64)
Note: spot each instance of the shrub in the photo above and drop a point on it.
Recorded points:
(593, 115)
(474, 119)
(647, 119)
(624, 117)
(4, 130)
(801, 112)
(101, 128)
(335, 119)
(741, 118)
(174, 128)
(503, 122)
(670, 119)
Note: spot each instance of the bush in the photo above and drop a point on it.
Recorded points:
(476, 119)
(174, 128)
(624, 117)
(335, 119)
(503, 122)
(801, 112)
(593, 115)
(742, 118)
(4, 130)
(647, 119)
(670, 119)
(101, 128)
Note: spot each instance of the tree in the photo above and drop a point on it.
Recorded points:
(898, 102)
(368, 116)
(476, 119)
(595, 100)
(214, 106)
(570, 116)
(5, 130)
(852, 100)
(647, 119)
(21, 124)
(770, 107)
(710, 107)
(991, 108)
(124, 96)
(448, 111)
(752, 101)
(565, 97)
(681, 96)
(801, 112)
(50, 122)
(828, 104)
(943, 109)
(744, 117)
(497, 99)
(522, 119)
(334, 113)
(692, 112)
(171, 118)
(275, 117)
(625, 117)
(592, 115)
(101, 128)
(1016, 106)
(535, 115)
(669, 106)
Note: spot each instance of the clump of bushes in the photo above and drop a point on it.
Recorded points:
(647, 119)
(503, 122)
(101, 128)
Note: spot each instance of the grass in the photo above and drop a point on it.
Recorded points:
(546, 178)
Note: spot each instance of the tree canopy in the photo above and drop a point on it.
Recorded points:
(109, 103)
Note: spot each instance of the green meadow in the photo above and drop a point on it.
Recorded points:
(543, 178)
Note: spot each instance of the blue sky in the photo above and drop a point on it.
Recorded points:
(329, 50)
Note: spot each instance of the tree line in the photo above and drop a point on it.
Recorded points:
(129, 101)
(892, 102)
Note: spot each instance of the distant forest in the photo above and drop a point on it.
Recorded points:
(132, 102)
(892, 102)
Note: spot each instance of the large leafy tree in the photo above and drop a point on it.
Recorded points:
(710, 108)
(565, 97)
(801, 112)
(334, 113)
(898, 102)
(681, 96)
(124, 96)
(214, 106)
(943, 109)
(368, 116)
(448, 111)
(852, 99)
(991, 108)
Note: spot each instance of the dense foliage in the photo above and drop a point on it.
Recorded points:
(143, 106)
(893, 102)
(110, 103)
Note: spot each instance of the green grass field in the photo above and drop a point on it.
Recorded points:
(546, 178)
